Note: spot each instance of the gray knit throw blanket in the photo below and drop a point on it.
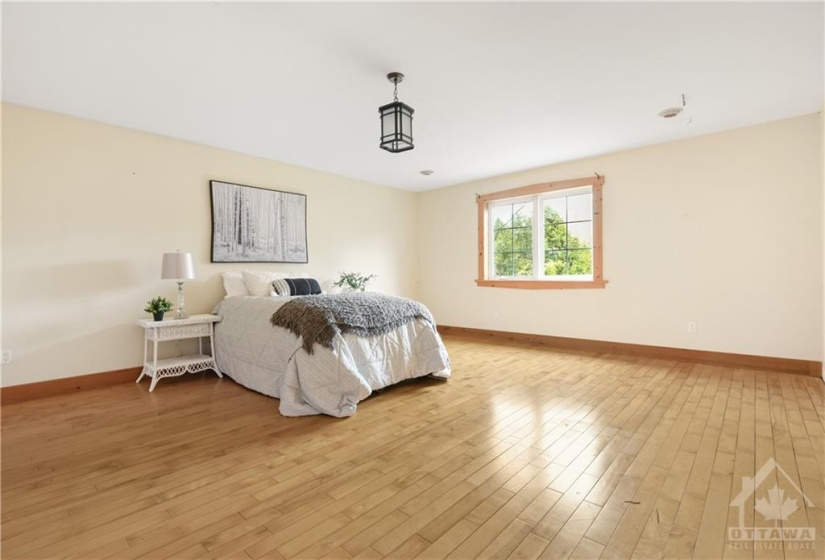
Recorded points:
(317, 319)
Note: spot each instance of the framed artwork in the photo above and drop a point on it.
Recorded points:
(251, 224)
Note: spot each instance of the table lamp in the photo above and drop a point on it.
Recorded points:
(180, 267)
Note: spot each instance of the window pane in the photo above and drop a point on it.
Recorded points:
(568, 225)
(502, 216)
(580, 234)
(504, 240)
(580, 261)
(514, 264)
(555, 209)
(523, 239)
(555, 263)
(522, 214)
(512, 226)
(568, 263)
(579, 207)
(555, 236)
(504, 264)
(522, 264)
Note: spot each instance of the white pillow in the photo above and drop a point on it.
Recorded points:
(259, 282)
(234, 284)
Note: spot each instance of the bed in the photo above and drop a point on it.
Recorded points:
(316, 378)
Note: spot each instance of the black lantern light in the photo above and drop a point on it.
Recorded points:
(396, 121)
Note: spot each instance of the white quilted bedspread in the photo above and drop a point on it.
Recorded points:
(270, 359)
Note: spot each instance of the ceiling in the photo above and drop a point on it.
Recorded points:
(496, 87)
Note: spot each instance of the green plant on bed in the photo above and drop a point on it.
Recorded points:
(354, 280)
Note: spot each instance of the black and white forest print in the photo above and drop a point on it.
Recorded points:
(251, 224)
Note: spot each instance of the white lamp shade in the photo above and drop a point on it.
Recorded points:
(178, 266)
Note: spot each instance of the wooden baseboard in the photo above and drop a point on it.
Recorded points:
(31, 391)
(804, 367)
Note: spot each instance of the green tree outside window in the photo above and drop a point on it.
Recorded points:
(564, 254)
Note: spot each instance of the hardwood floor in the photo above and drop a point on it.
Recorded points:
(526, 453)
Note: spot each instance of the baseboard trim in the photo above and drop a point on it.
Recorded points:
(52, 387)
(804, 367)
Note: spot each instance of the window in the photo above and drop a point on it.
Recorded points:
(542, 236)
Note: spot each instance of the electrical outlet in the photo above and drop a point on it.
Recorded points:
(691, 326)
(6, 354)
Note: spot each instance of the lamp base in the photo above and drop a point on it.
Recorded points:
(181, 314)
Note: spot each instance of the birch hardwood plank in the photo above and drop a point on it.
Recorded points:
(565, 506)
(363, 541)
(486, 509)
(527, 452)
(312, 535)
(587, 550)
(764, 452)
(447, 542)
(436, 528)
(743, 466)
(505, 517)
(422, 518)
(337, 554)
(654, 536)
(627, 533)
(696, 490)
(505, 542)
(570, 535)
(710, 539)
(642, 453)
(410, 548)
(369, 554)
(539, 507)
(530, 548)
(786, 458)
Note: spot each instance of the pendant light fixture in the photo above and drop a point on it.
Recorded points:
(396, 121)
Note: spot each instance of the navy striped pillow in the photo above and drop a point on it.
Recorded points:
(296, 287)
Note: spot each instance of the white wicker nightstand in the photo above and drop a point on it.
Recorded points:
(196, 326)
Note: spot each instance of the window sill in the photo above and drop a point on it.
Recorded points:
(543, 284)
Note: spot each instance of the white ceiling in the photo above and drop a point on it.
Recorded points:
(496, 87)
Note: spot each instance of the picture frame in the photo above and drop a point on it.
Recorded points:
(254, 224)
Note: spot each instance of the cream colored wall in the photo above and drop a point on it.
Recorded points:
(733, 222)
(88, 210)
(724, 230)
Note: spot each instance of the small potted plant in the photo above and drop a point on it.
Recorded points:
(355, 281)
(157, 307)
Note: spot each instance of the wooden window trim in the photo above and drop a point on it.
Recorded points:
(598, 280)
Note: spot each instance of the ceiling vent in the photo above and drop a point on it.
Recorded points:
(671, 112)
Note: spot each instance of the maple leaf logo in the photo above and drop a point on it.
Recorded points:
(776, 506)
